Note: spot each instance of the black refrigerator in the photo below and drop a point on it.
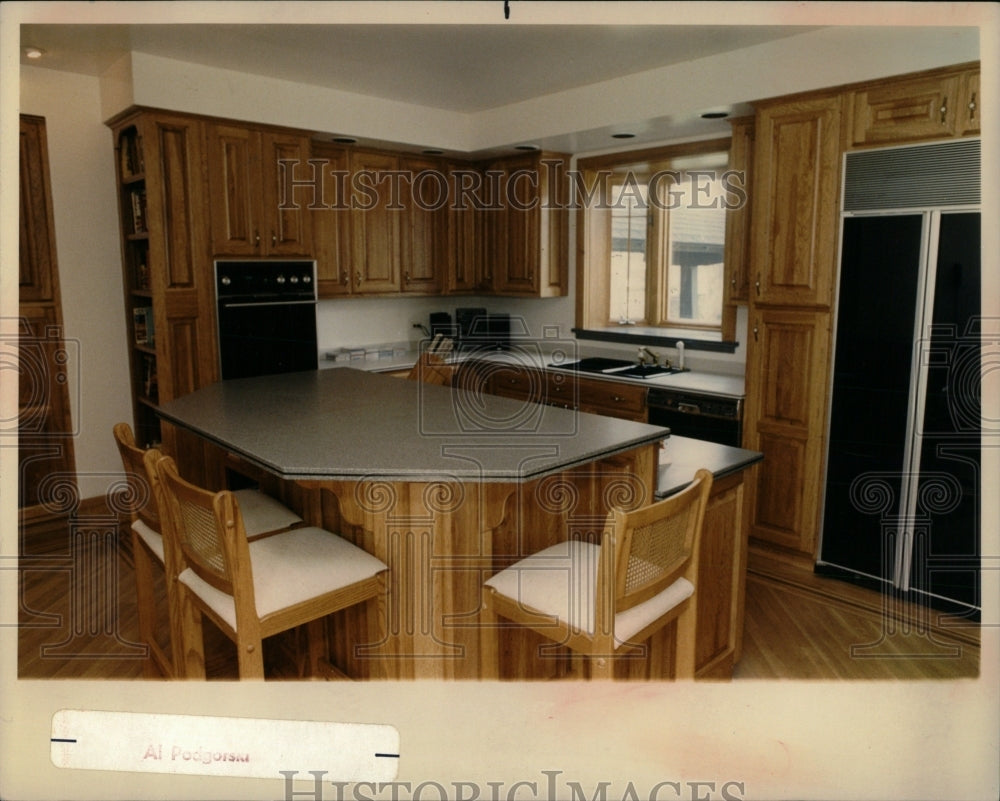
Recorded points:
(901, 507)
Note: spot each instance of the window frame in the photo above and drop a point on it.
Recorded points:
(594, 242)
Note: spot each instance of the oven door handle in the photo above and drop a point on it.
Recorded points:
(253, 304)
(688, 408)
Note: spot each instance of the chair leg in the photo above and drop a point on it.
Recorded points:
(192, 665)
(684, 653)
(145, 606)
(250, 655)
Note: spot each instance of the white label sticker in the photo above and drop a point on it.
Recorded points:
(214, 746)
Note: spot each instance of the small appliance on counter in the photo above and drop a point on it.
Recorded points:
(477, 329)
(440, 323)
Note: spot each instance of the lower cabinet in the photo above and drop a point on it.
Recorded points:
(787, 377)
(610, 398)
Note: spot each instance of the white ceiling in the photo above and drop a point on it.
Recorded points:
(464, 68)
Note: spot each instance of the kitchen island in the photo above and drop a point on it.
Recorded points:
(445, 486)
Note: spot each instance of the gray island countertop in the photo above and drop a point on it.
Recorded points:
(342, 423)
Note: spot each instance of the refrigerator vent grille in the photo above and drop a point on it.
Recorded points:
(941, 174)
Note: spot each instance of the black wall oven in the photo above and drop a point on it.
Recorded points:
(266, 317)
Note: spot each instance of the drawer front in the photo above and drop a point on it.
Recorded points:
(522, 383)
(620, 400)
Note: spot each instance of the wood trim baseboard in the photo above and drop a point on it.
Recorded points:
(43, 530)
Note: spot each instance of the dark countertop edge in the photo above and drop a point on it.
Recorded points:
(418, 476)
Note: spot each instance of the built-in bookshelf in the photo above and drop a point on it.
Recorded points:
(138, 284)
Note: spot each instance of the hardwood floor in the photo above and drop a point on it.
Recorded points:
(78, 620)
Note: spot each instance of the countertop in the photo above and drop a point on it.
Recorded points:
(345, 423)
(682, 457)
(530, 355)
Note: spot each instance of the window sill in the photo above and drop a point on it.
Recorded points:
(693, 339)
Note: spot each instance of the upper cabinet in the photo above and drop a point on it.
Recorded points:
(254, 207)
(932, 105)
(423, 226)
(374, 223)
(795, 195)
(526, 225)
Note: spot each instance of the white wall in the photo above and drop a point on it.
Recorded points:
(89, 256)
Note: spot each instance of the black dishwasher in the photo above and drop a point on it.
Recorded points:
(713, 418)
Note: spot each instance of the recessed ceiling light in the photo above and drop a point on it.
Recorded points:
(623, 136)
(33, 52)
(344, 140)
(715, 115)
(433, 152)
(527, 147)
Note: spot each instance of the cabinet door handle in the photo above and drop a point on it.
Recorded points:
(256, 238)
(345, 277)
(944, 109)
(755, 330)
(972, 107)
(757, 285)
(274, 239)
(357, 277)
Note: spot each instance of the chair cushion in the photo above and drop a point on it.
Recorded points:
(262, 513)
(561, 581)
(152, 539)
(291, 567)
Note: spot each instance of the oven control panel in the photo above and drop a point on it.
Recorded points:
(263, 280)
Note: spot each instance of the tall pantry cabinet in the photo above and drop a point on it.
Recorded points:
(166, 260)
(795, 197)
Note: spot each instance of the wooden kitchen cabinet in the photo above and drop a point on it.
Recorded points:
(612, 398)
(737, 250)
(526, 225)
(45, 433)
(568, 391)
(423, 225)
(166, 261)
(932, 105)
(465, 269)
(796, 199)
(331, 223)
(248, 182)
(785, 419)
(375, 221)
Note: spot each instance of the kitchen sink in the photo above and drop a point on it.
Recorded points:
(617, 367)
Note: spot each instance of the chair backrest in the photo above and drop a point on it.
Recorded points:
(207, 529)
(141, 501)
(653, 545)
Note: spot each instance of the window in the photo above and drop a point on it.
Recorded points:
(653, 243)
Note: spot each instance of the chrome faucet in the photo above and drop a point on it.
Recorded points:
(645, 353)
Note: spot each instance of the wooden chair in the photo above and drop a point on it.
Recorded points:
(262, 514)
(253, 590)
(595, 599)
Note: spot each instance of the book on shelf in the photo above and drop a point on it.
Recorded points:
(142, 320)
(138, 198)
(150, 385)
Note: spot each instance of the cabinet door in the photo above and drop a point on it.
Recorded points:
(288, 191)
(795, 202)
(738, 219)
(423, 225)
(517, 271)
(234, 190)
(971, 104)
(787, 360)
(907, 110)
(180, 266)
(37, 239)
(374, 223)
(466, 231)
(331, 224)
